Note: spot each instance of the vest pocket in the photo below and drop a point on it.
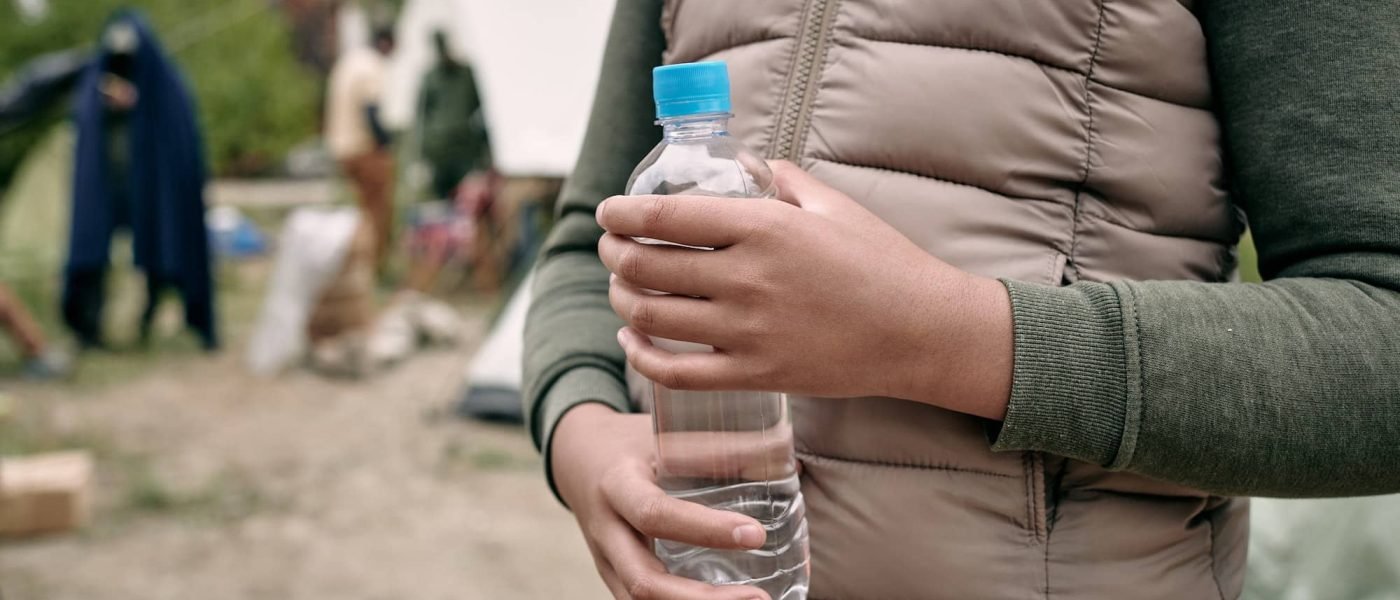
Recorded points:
(1037, 516)
(1058, 273)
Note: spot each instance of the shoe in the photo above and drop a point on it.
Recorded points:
(52, 364)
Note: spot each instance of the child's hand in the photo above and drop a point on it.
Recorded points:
(603, 466)
(812, 294)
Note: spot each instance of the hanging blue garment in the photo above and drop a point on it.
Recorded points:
(155, 188)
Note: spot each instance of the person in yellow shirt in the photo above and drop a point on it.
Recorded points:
(356, 137)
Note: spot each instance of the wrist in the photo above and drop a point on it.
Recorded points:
(569, 451)
(992, 357)
(964, 357)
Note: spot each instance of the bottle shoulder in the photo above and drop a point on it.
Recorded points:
(714, 166)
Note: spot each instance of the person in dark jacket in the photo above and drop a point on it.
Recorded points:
(139, 166)
(453, 131)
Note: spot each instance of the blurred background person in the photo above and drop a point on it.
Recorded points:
(356, 136)
(138, 167)
(454, 150)
(453, 130)
(41, 361)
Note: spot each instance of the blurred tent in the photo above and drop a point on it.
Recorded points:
(39, 83)
(536, 61)
(34, 219)
(495, 375)
(33, 226)
(1327, 548)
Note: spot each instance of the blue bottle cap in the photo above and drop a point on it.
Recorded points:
(690, 89)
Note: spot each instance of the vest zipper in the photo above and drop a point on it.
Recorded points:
(789, 138)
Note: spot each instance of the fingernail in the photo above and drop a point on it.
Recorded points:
(598, 213)
(624, 339)
(748, 536)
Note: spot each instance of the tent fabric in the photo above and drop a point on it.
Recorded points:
(536, 62)
(38, 83)
(1329, 548)
(166, 175)
(494, 375)
(33, 223)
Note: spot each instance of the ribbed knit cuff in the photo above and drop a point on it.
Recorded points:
(1070, 390)
(578, 386)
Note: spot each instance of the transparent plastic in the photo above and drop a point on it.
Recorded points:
(725, 450)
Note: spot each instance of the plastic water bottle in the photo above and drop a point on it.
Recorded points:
(725, 450)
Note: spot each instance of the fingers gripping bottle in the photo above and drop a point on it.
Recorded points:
(729, 450)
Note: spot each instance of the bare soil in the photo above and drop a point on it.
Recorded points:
(214, 485)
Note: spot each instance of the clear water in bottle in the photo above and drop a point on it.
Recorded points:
(725, 450)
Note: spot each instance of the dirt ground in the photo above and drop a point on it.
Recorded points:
(218, 486)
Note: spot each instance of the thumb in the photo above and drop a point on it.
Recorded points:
(799, 188)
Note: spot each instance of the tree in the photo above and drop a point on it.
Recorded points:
(256, 101)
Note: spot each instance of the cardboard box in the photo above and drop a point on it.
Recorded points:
(45, 493)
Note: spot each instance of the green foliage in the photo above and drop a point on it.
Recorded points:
(255, 100)
(1249, 260)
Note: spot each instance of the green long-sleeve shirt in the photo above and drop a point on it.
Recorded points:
(1286, 388)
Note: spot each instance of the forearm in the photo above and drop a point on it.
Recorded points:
(570, 327)
(1289, 388)
(571, 349)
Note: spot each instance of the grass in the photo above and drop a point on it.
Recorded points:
(131, 485)
(457, 457)
(135, 484)
(24, 434)
(1249, 259)
(228, 496)
(239, 286)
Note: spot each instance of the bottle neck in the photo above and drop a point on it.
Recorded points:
(695, 127)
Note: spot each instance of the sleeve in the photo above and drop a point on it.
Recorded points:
(1286, 388)
(571, 351)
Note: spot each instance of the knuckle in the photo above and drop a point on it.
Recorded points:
(765, 224)
(763, 370)
(657, 212)
(642, 587)
(756, 328)
(651, 514)
(753, 282)
(781, 167)
(642, 314)
(629, 264)
(669, 376)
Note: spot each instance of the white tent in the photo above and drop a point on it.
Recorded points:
(536, 62)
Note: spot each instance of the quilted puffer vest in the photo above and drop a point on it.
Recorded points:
(1042, 140)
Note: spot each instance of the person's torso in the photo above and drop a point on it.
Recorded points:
(1046, 141)
(452, 125)
(355, 84)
